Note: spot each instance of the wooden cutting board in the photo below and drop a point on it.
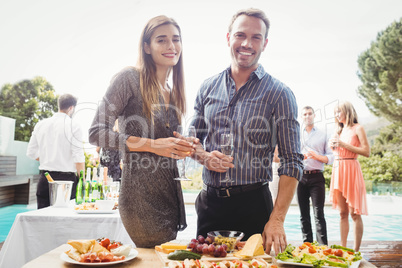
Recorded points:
(229, 257)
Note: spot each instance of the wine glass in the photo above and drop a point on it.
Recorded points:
(181, 163)
(226, 143)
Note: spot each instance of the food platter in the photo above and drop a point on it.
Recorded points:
(96, 211)
(163, 257)
(66, 258)
(353, 265)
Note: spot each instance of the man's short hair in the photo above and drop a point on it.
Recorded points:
(308, 108)
(65, 101)
(252, 12)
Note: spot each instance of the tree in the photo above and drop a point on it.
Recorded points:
(28, 102)
(380, 70)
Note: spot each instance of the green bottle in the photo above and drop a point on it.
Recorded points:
(95, 190)
(88, 187)
(78, 193)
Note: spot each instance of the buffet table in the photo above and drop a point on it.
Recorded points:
(37, 232)
(146, 258)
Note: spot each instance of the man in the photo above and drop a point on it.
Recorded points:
(312, 185)
(56, 143)
(260, 111)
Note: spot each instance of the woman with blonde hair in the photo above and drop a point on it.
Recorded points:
(149, 110)
(347, 190)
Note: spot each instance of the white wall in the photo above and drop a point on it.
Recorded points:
(10, 147)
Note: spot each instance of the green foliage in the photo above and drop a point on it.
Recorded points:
(195, 174)
(380, 70)
(382, 168)
(90, 162)
(389, 140)
(327, 175)
(28, 102)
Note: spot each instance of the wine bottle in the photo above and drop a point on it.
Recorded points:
(88, 187)
(48, 177)
(78, 194)
(95, 190)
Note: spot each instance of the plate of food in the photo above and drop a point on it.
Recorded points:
(96, 211)
(101, 252)
(313, 254)
(99, 207)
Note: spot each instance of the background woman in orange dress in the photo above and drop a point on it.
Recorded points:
(348, 191)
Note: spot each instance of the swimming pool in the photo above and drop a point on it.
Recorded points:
(7, 216)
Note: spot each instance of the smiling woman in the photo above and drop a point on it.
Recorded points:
(149, 110)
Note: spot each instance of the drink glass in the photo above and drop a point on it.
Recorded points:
(226, 143)
(181, 163)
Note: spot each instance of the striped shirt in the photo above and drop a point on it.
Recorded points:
(261, 114)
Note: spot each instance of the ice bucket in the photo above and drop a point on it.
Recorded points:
(60, 193)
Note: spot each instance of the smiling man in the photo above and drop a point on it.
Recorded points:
(260, 112)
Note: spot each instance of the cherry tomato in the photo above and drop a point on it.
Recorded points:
(105, 242)
(113, 245)
(311, 250)
(327, 251)
(307, 244)
(338, 253)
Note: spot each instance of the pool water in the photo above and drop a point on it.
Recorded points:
(382, 224)
(7, 216)
(377, 227)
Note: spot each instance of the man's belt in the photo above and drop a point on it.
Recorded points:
(57, 172)
(233, 190)
(314, 171)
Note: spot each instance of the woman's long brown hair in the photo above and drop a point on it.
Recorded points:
(149, 86)
(350, 113)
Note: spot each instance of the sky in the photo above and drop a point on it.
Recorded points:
(78, 45)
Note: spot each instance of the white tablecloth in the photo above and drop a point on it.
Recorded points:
(37, 232)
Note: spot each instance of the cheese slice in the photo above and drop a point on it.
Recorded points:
(96, 248)
(173, 246)
(253, 247)
(164, 250)
(82, 246)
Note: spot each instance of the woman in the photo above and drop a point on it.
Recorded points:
(348, 191)
(151, 201)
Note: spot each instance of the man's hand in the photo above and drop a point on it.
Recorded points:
(214, 161)
(274, 232)
(217, 161)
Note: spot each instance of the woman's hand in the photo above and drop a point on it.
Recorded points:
(193, 141)
(172, 147)
(169, 147)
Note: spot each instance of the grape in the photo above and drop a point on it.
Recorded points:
(223, 254)
(191, 245)
(199, 248)
(194, 250)
(219, 248)
(201, 239)
(217, 253)
(208, 240)
(225, 247)
(194, 240)
(211, 249)
(205, 249)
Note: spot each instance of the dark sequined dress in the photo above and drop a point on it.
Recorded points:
(151, 201)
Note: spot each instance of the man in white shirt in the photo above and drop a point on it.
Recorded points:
(56, 143)
(312, 185)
